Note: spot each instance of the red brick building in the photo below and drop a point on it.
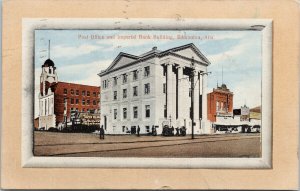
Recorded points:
(219, 103)
(78, 97)
(58, 99)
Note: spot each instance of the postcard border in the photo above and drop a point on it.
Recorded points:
(29, 161)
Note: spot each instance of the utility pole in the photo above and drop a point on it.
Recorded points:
(192, 96)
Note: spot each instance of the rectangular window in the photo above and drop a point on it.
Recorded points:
(124, 93)
(72, 101)
(77, 92)
(83, 93)
(164, 88)
(147, 88)
(115, 113)
(147, 108)
(88, 102)
(115, 95)
(94, 102)
(72, 91)
(77, 101)
(83, 102)
(135, 75)
(124, 113)
(83, 110)
(124, 78)
(115, 81)
(135, 91)
(94, 94)
(65, 91)
(147, 71)
(135, 112)
(88, 93)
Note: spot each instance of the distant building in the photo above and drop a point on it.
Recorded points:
(153, 90)
(58, 99)
(219, 103)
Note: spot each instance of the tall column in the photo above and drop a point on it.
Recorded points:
(180, 93)
(204, 97)
(169, 91)
(196, 99)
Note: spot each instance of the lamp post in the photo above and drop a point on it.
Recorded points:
(170, 117)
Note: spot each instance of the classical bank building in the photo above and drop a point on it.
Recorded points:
(153, 90)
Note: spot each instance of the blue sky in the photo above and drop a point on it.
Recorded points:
(79, 59)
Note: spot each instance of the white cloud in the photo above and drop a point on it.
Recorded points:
(116, 43)
(228, 35)
(247, 92)
(235, 51)
(74, 51)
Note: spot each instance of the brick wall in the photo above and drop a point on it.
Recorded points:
(220, 96)
(60, 95)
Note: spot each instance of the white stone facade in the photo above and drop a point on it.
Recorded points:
(162, 81)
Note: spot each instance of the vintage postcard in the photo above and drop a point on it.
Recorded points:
(150, 94)
(156, 94)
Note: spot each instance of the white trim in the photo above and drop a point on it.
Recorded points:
(29, 25)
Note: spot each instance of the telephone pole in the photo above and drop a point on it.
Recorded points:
(192, 95)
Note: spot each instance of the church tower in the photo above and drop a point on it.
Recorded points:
(48, 75)
(48, 78)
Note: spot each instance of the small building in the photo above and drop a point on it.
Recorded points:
(219, 103)
(58, 99)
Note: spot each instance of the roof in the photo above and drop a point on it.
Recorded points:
(60, 85)
(256, 109)
(48, 63)
(124, 59)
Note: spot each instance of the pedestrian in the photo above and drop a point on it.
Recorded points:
(152, 129)
(177, 131)
(138, 131)
(172, 131)
(101, 132)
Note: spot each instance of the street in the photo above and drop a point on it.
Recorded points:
(89, 145)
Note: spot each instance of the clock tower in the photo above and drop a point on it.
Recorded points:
(48, 76)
